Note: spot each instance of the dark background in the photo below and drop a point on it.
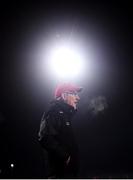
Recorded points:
(105, 141)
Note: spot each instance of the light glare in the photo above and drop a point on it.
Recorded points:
(66, 62)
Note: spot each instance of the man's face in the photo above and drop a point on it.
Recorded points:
(72, 99)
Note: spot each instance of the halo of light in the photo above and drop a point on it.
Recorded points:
(66, 62)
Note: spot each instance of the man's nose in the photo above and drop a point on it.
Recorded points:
(77, 97)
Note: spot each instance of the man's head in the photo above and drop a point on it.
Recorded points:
(68, 93)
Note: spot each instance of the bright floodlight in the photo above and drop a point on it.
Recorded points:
(12, 165)
(66, 62)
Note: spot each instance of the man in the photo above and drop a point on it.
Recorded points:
(56, 134)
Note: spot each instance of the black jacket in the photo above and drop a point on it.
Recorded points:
(56, 136)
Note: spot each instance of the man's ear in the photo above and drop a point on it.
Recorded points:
(64, 96)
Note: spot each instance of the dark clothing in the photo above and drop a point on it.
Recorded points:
(56, 136)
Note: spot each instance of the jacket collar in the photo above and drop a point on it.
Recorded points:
(66, 108)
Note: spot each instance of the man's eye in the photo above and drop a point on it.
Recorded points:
(73, 94)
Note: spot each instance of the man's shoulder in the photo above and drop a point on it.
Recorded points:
(54, 115)
(52, 111)
(55, 107)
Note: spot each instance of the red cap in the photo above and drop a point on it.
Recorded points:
(66, 87)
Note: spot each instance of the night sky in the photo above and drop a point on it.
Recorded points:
(105, 140)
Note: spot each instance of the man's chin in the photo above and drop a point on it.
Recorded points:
(75, 106)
